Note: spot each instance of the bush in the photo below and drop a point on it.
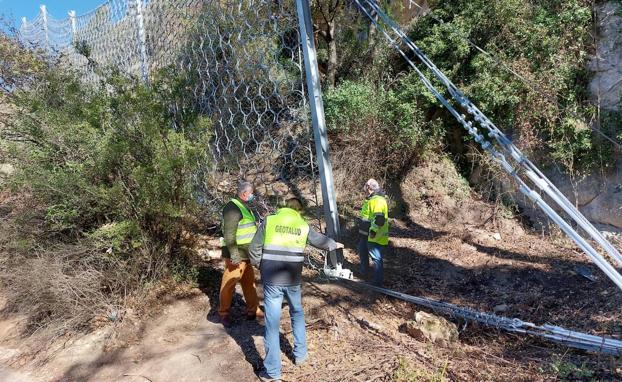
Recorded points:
(108, 170)
(546, 42)
(377, 131)
(349, 105)
(99, 156)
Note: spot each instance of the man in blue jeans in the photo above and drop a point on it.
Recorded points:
(374, 230)
(278, 248)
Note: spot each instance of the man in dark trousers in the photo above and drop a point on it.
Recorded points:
(239, 226)
(278, 248)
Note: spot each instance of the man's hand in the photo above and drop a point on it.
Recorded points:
(339, 246)
(372, 234)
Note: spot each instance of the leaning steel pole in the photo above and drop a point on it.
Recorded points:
(316, 105)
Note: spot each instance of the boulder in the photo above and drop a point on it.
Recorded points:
(6, 169)
(430, 328)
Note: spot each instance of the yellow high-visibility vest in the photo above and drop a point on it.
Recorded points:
(285, 236)
(364, 215)
(246, 227)
(377, 206)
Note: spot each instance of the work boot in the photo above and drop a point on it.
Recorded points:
(226, 321)
(258, 315)
(264, 377)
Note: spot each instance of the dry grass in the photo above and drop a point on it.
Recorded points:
(65, 287)
(61, 289)
(358, 157)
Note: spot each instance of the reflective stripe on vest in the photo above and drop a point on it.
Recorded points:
(377, 206)
(285, 236)
(246, 227)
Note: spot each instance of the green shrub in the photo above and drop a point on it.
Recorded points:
(406, 122)
(568, 371)
(349, 105)
(94, 157)
(378, 131)
(546, 43)
(109, 171)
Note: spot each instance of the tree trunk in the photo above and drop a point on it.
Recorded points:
(331, 72)
(371, 38)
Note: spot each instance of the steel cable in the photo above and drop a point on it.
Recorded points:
(370, 8)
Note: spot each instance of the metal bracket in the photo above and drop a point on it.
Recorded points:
(338, 272)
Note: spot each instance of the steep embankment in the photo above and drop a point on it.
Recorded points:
(599, 193)
(447, 245)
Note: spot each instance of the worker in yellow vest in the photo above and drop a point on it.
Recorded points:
(239, 226)
(363, 230)
(278, 248)
(375, 217)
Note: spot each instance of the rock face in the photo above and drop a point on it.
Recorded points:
(430, 328)
(599, 195)
(606, 85)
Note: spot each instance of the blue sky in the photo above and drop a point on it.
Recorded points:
(16, 9)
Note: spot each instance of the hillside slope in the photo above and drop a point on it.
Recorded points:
(448, 246)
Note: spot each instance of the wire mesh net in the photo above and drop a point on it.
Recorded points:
(245, 68)
(251, 73)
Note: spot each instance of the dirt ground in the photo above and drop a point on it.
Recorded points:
(176, 344)
(356, 335)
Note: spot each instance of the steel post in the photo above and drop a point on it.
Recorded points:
(316, 105)
(44, 15)
(142, 41)
(72, 17)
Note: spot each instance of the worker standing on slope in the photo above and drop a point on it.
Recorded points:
(374, 220)
(239, 226)
(278, 248)
(363, 229)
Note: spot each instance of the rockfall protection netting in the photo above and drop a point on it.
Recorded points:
(251, 70)
(245, 68)
(136, 37)
(244, 65)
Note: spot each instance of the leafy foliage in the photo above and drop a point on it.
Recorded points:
(109, 169)
(547, 112)
(108, 173)
(568, 371)
(18, 66)
(544, 42)
(379, 130)
(109, 155)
